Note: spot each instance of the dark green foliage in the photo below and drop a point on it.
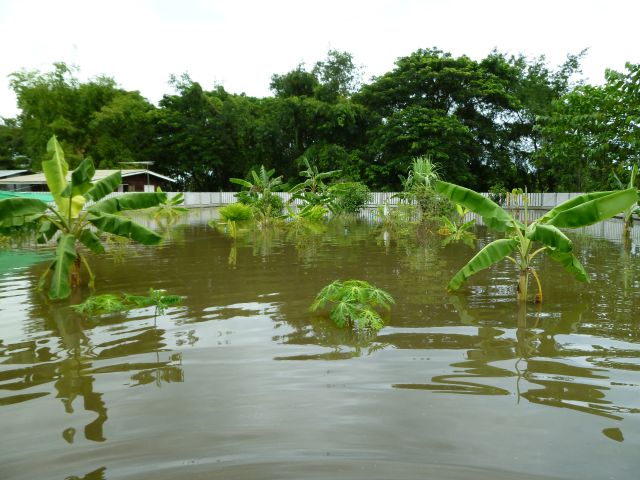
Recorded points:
(349, 197)
(503, 118)
(354, 302)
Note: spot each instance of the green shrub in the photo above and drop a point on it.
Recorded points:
(236, 212)
(269, 204)
(349, 197)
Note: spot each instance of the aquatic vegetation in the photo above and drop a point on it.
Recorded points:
(354, 302)
(111, 303)
(577, 212)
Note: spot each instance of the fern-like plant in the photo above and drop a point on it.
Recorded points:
(355, 303)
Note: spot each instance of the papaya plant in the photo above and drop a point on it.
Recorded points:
(530, 239)
(74, 221)
(355, 302)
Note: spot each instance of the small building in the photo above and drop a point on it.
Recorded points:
(133, 180)
(5, 174)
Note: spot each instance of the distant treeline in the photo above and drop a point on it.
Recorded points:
(504, 121)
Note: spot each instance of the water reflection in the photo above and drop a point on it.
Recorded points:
(530, 354)
(72, 364)
(243, 362)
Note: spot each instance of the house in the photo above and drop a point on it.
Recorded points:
(4, 174)
(133, 180)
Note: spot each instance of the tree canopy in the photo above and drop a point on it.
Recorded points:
(502, 120)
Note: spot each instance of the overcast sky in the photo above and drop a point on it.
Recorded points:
(240, 44)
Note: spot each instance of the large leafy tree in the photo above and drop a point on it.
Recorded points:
(92, 119)
(11, 146)
(475, 118)
(58, 103)
(591, 132)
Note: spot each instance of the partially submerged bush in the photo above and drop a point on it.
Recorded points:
(111, 303)
(235, 212)
(355, 302)
(349, 197)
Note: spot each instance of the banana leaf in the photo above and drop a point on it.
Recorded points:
(241, 182)
(65, 256)
(46, 231)
(570, 264)
(130, 201)
(594, 210)
(80, 179)
(492, 253)
(55, 171)
(104, 187)
(551, 236)
(125, 227)
(17, 211)
(492, 214)
(573, 202)
(91, 241)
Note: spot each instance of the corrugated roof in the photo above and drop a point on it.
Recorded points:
(10, 173)
(39, 178)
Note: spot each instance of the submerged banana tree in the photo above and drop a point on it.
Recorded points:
(531, 239)
(628, 213)
(75, 223)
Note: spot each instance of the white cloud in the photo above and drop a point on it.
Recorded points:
(240, 44)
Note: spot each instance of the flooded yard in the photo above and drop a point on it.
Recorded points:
(242, 381)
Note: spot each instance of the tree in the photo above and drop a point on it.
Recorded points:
(56, 103)
(337, 76)
(591, 131)
(11, 146)
(433, 103)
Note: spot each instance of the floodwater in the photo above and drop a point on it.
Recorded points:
(241, 381)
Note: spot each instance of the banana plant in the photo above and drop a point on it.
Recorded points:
(313, 190)
(531, 239)
(628, 213)
(75, 222)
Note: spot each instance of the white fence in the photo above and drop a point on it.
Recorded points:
(535, 200)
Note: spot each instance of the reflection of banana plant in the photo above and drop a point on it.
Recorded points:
(73, 221)
(355, 302)
(577, 212)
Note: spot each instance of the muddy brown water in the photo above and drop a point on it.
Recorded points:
(242, 381)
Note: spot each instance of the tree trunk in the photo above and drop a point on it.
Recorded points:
(523, 283)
